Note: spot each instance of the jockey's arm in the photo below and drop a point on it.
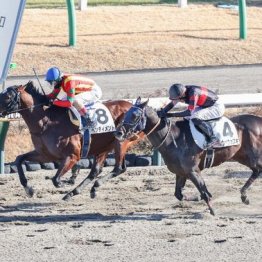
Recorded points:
(179, 114)
(53, 95)
(70, 92)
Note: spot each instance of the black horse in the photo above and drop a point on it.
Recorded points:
(184, 158)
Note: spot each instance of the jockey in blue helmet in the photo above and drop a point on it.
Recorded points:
(53, 74)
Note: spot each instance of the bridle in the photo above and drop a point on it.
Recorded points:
(15, 102)
(133, 127)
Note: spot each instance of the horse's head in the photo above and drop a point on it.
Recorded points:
(13, 98)
(134, 121)
(9, 100)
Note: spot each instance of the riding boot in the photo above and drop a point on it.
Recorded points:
(207, 129)
(87, 122)
(86, 143)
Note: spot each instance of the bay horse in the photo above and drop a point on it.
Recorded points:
(182, 155)
(56, 139)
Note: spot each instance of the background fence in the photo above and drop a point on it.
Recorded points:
(235, 100)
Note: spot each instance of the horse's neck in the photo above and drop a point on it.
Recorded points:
(156, 129)
(166, 133)
(32, 114)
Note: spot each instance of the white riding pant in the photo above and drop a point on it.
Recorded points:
(86, 97)
(215, 111)
(91, 96)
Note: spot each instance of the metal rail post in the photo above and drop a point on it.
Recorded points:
(242, 19)
(4, 125)
(71, 22)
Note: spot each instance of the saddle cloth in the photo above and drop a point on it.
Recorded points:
(99, 113)
(223, 128)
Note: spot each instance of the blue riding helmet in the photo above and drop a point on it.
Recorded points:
(53, 74)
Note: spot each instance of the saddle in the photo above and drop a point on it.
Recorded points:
(223, 128)
(104, 121)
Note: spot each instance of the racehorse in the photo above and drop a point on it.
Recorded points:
(56, 139)
(182, 155)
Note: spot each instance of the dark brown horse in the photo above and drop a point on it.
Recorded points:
(55, 138)
(184, 158)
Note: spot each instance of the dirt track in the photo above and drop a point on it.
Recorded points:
(135, 217)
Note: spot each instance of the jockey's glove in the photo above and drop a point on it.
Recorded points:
(50, 102)
(161, 113)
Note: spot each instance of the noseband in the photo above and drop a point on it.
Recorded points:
(134, 126)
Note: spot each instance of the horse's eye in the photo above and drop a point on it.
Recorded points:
(135, 116)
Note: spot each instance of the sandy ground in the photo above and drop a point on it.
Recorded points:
(135, 217)
(136, 37)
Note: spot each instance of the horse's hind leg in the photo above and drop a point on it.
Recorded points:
(30, 156)
(64, 167)
(95, 171)
(244, 189)
(198, 181)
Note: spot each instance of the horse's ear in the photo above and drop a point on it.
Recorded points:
(138, 101)
(146, 102)
(30, 83)
(21, 88)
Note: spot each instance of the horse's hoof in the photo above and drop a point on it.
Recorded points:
(212, 212)
(56, 183)
(245, 200)
(67, 197)
(92, 194)
(71, 180)
(29, 191)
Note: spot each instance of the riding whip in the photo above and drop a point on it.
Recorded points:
(38, 81)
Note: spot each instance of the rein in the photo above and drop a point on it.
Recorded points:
(27, 108)
(153, 129)
(168, 131)
(15, 101)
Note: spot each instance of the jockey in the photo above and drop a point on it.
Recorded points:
(79, 90)
(203, 104)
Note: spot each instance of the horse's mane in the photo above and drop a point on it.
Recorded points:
(34, 92)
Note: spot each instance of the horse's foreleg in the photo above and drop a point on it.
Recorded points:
(64, 167)
(244, 189)
(198, 181)
(99, 182)
(180, 184)
(119, 168)
(30, 156)
(95, 171)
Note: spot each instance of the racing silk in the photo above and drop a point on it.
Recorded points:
(72, 85)
(199, 96)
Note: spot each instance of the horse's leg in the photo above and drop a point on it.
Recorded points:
(64, 166)
(198, 181)
(244, 189)
(75, 172)
(119, 168)
(180, 184)
(30, 156)
(95, 171)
